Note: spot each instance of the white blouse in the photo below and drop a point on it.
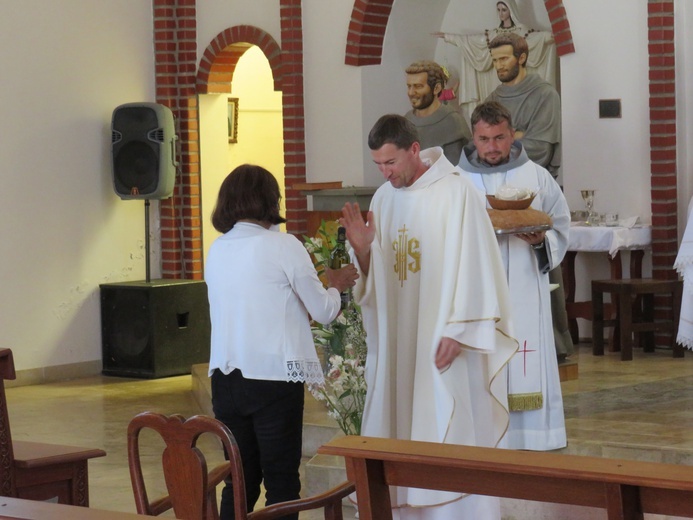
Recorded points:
(263, 289)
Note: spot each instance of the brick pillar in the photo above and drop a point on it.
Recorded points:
(663, 149)
(294, 123)
(175, 53)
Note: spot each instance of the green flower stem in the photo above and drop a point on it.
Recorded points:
(342, 345)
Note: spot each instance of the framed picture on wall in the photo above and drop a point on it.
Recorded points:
(232, 117)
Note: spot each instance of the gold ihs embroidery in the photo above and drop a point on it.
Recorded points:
(406, 249)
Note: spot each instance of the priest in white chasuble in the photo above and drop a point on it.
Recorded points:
(495, 162)
(436, 304)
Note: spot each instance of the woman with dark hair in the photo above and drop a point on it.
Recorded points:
(263, 291)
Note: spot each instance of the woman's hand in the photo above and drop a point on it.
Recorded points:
(342, 279)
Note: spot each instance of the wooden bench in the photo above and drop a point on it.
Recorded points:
(37, 470)
(625, 488)
(17, 508)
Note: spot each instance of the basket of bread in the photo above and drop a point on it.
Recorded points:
(510, 211)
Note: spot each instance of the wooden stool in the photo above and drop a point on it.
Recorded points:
(634, 317)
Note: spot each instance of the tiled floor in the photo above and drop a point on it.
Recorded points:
(639, 409)
(631, 409)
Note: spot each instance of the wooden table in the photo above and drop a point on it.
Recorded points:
(17, 508)
(605, 240)
(625, 488)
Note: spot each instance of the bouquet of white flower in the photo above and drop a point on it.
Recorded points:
(341, 346)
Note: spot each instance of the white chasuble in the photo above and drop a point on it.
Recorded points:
(435, 272)
(536, 404)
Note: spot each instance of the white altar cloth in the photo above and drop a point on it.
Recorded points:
(611, 239)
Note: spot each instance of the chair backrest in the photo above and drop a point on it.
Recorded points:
(7, 480)
(191, 487)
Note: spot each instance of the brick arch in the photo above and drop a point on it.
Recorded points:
(215, 74)
(369, 20)
(178, 83)
(219, 60)
(560, 27)
(367, 32)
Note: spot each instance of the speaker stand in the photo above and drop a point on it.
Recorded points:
(146, 240)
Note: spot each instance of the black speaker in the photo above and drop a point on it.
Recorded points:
(143, 151)
(154, 329)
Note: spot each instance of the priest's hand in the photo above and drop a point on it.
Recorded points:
(448, 350)
(359, 233)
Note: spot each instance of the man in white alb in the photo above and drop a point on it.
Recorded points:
(495, 159)
(435, 304)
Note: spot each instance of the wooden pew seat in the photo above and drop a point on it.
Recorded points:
(624, 488)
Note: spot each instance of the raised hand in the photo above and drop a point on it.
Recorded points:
(359, 233)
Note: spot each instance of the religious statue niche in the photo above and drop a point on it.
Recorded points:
(478, 77)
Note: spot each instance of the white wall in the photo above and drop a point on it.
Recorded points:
(333, 97)
(66, 65)
(611, 156)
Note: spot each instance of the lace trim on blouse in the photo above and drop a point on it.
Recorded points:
(304, 371)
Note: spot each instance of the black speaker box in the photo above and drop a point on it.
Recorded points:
(154, 329)
(143, 151)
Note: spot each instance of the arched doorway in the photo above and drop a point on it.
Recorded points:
(259, 129)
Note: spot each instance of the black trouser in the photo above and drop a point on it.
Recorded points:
(266, 418)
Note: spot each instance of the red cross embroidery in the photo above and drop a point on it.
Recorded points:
(524, 352)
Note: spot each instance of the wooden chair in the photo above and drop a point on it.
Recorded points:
(35, 470)
(634, 300)
(192, 487)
